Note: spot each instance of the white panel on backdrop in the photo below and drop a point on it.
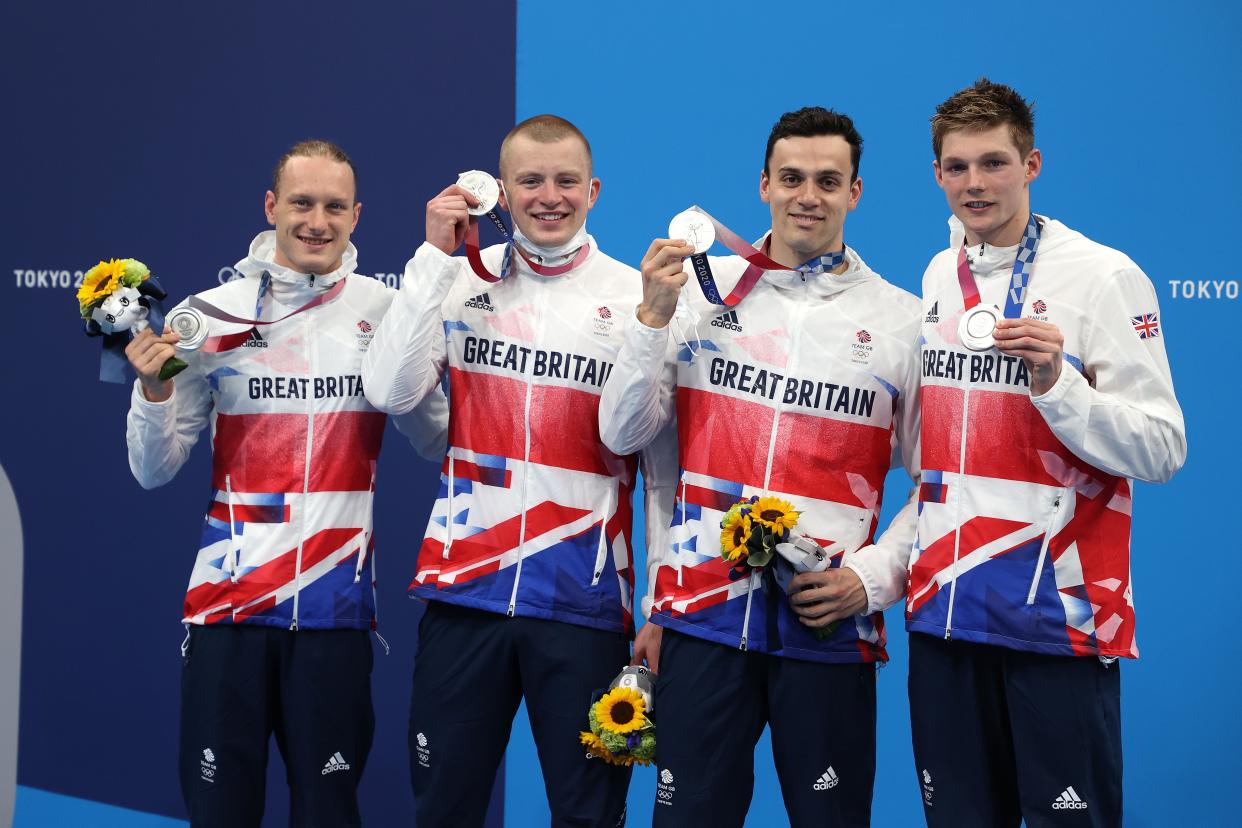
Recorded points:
(10, 643)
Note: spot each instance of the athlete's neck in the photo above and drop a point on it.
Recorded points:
(1007, 235)
(792, 259)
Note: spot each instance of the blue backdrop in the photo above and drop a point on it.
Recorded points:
(150, 131)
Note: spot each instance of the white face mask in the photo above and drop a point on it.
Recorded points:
(548, 255)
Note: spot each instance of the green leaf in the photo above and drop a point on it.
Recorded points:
(172, 367)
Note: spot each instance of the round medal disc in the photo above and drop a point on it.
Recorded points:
(190, 325)
(695, 228)
(483, 187)
(976, 326)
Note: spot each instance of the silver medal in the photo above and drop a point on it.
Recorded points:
(190, 325)
(695, 228)
(975, 327)
(482, 186)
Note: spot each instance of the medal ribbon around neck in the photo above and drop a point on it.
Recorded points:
(1018, 282)
(758, 263)
(227, 342)
(485, 189)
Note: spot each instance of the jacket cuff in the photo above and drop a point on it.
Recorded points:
(875, 601)
(1064, 400)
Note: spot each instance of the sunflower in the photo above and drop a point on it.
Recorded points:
(776, 514)
(734, 532)
(593, 745)
(621, 710)
(100, 282)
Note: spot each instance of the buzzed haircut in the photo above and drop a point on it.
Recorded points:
(545, 129)
(981, 107)
(811, 121)
(313, 148)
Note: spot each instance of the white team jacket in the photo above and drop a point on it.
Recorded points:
(806, 390)
(287, 537)
(1024, 526)
(534, 513)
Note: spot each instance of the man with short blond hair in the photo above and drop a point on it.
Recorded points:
(1045, 390)
(281, 600)
(526, 564)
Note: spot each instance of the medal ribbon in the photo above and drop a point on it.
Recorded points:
(1018, 282)
(480, 270)
(758, 263)
(227, 342)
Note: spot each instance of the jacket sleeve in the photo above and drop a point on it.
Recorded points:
(426, 425)
(637, 400)
(1119, 413)
(659, 467)
(883, 566)
(407, 357)
(159, 435)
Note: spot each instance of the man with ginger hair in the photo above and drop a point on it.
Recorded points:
(1045, 390)
(281, 600)
(526, 564)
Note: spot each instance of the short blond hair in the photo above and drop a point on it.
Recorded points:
(982, 106)
(313, 148)
(544, 129)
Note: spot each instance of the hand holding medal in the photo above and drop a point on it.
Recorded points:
(453, 218)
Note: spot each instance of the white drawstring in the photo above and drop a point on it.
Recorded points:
(686, 315)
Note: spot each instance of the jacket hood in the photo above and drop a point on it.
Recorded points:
(824, 284)
(262, 258)
(1053, 235)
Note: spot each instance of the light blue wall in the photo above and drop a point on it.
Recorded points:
(1137, 118)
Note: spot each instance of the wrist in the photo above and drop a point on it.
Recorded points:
(651, 318)
(156, 392)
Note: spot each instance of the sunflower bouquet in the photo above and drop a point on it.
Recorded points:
(116, 283)
(751, 529)
(622, 732)
(116, 298)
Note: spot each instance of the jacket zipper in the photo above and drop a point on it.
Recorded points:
(448, 523)
(517, 575)
(957, 512)
(234, 559)
(306, 467)
(683, 522)
(750, 593)
(366, 528)
(1043, 547)
(601, 555)
(776, 423)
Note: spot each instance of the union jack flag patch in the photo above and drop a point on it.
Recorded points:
(1146, 326)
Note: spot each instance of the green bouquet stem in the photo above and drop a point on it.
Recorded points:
(823, 632)
(174, 366)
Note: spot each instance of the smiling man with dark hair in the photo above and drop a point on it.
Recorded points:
(801, 392)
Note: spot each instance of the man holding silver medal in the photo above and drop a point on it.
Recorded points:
(281, 600)
(526, 564)
(1045, 390)
(799, 387)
